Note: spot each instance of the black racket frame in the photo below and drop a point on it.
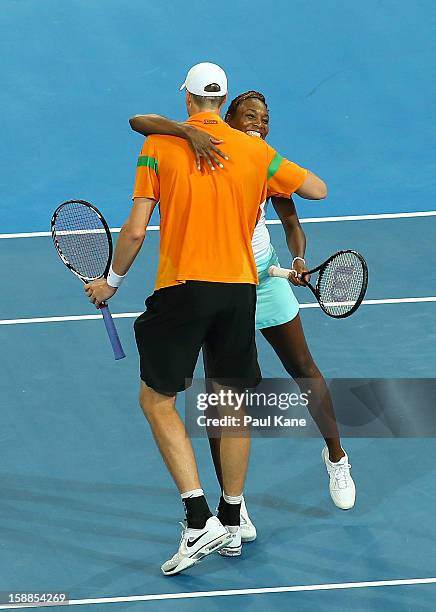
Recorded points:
(59, 250)
(316, 292)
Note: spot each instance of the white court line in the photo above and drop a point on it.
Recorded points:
(411, 300)
(260, 591)
(131, 315)
(114, 230)
(408, 215)
(121, 315)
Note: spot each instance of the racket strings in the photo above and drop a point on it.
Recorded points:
(82, 240)
(342, 283)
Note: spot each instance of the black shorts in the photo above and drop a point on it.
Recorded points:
(179, 320)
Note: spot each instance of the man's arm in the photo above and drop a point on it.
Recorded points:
(313, 188)
(286, 177)
(132, 235)
(295, 236)
(202, 144)
(128, 245)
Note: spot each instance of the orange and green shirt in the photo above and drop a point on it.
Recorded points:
(207, 218)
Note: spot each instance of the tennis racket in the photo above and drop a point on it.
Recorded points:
(83, 241)
(341, 283)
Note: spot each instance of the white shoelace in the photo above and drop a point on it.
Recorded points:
(184, 528)
(341, 473)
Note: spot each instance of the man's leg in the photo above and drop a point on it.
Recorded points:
(234, 450)
(248, 530)
(177, 452)
(231, 358)
(213, 433)
(203, 533)
(170, 435)
(168, 324)
(169, 337)
(230, 448)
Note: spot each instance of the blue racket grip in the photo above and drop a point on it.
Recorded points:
(112, 332)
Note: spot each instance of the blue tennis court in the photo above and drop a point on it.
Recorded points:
(87, 505)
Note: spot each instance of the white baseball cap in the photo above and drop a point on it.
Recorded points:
(202, 75)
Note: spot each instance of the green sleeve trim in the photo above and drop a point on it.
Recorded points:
(149, 162)
(274, 165)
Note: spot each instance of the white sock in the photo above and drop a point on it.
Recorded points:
(193, 493)
(235, 499)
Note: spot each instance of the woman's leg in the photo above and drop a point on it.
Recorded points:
(289, 342)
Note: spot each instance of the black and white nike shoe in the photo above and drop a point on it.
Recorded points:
(195, 544)
(234, 548)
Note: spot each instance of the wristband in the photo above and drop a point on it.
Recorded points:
(300, 258)
(114, 280)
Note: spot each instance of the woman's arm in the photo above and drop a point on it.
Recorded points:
(295, 236)
(155, 124)
(202, 144)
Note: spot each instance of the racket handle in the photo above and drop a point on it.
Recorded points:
(112, 332)
(280, 272)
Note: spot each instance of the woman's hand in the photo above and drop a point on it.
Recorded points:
(204, 147)
(296, 275)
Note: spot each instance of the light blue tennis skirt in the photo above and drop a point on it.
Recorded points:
(276, 302)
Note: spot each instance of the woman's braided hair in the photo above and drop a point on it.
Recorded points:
(241, 98)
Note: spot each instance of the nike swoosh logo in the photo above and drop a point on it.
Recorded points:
(190, 542)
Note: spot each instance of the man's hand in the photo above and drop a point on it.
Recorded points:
(99, 291)
(296, 275)
(204, 147)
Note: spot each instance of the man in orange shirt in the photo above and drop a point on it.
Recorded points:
(204, 293)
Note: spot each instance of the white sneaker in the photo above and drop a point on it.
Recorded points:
(234, 548)
(248, 530)
(342, 487)
(196, 544)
